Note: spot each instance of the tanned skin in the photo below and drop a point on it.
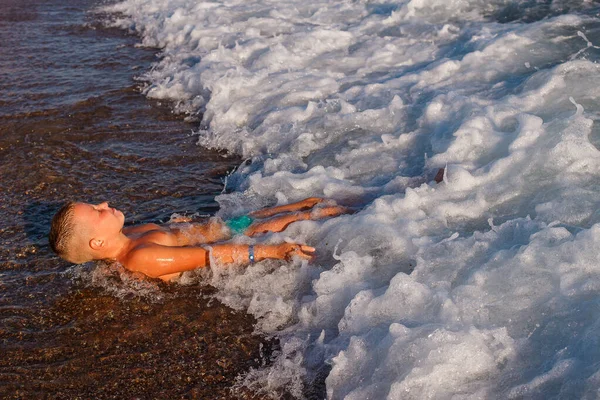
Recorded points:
(164, 251)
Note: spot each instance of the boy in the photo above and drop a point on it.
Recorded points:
(83, 232)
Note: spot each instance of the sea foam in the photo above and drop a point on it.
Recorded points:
(486, 285)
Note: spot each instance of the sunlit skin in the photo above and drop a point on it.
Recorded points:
(164, 251)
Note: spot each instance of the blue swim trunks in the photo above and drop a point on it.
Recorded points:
(238, 225)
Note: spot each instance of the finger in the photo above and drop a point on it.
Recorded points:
(306, 252)
(306, 256)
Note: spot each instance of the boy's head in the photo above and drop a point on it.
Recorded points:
(80, 232)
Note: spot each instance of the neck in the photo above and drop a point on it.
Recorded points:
(118, 247)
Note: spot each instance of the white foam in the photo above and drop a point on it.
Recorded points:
(483, 286)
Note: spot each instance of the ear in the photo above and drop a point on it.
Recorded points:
(97, 244)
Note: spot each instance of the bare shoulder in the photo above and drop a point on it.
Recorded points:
(141, 258)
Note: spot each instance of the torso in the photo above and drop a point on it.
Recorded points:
(151, 234)
(185, 234)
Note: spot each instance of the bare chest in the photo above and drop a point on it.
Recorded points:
(155, 236)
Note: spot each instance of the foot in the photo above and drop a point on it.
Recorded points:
(329, 211)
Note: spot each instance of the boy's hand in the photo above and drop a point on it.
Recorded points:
(287, 250)
(178, 219)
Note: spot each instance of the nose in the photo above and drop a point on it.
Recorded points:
(103, 205)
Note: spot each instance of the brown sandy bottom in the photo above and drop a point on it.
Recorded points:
(97, 346)
(74, 125)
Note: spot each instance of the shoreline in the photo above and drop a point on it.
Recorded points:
(90, 331)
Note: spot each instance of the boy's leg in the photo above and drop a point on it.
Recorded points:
(298, 206)
(280, 223)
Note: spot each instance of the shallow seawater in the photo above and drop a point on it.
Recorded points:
(74, 125)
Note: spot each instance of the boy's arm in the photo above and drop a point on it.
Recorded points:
(156, 260)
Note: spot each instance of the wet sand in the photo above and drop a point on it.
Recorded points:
(74, 125)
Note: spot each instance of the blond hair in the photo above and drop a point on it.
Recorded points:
(64, 234)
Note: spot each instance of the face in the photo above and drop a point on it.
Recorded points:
(102, 220)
